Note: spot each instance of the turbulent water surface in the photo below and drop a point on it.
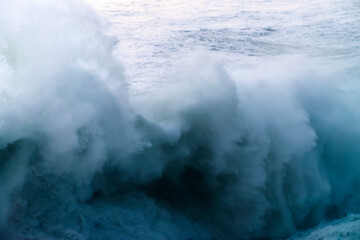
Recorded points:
(209, 119)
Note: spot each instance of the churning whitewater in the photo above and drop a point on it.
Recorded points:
(264, 151)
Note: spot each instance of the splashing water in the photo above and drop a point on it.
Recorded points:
(246, 139)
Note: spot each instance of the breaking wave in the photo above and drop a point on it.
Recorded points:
(258, 153)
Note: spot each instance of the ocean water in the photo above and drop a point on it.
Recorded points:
(154, 35)
(179, 119)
